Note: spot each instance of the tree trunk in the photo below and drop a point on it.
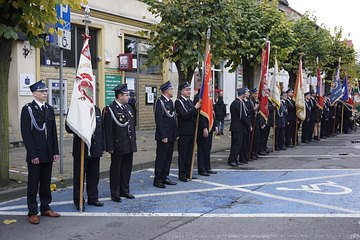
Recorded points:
(248, 73)
(328, 80)
(292, 79)
(5, 55)
(184, 76)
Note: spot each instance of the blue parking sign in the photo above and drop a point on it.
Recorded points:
(63, 13)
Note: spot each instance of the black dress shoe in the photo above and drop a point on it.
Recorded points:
(127, 195)
(115, 199)
(283, 148)
(204, 174)
(211, 171)
(262, 153)
(168, 182)
(159, 185)
(97, 204)
(184, 179)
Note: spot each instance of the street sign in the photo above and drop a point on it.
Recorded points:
(64, 31)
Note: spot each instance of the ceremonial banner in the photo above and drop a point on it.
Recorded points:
(81, 115)
(336, 90)
(299, 94)
(274, 87)
(345, 90)
(262, 93)
(319, 90)
(206, 91)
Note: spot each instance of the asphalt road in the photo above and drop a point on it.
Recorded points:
(308, 192)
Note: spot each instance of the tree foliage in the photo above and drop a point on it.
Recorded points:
(181, 35)
(27, 17)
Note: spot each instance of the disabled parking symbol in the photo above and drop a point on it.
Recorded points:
(324, 188)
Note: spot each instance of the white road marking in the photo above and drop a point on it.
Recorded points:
(192, 215)
(218, 187)
(255, 192)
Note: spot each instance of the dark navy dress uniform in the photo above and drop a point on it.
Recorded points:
(239, 126)
(165, 119)
(91, 162)
(291, 121)
(306, 125)
(38, 130)
(119, 125)
(186, 114)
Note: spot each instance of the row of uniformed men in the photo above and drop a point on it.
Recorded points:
(250, 130)
(114, 133)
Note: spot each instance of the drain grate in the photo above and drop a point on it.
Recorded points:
(355, 141)
(343, 154)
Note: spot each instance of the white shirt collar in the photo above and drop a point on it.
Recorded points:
(120, 105)
(184, 97)
(167, 99)
(39, 103)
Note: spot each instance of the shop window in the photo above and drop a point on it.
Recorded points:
(138, 48)
(50, 55)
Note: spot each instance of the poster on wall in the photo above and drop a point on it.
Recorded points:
(111, 81)
(25, 80)
(130, 83)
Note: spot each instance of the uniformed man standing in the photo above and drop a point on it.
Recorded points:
(291, 119)
(91, 163)
(38, 130)
(306, 124)
(119, 125)
(239, 126)
(186, 114)
(165, 135)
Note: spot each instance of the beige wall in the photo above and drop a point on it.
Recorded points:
(19, 64)
(111, 19)
(130, 9)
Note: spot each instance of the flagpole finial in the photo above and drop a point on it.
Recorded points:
(317, 60)
(86, 19)
(208, 33)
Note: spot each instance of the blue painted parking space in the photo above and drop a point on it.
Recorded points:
(228, 193)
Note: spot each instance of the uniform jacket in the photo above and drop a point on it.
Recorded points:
(97, 140)
(39, 144)
(281, 115)
(186, 114)
(165, 120)
(271, 108)
(290, 105)
(240, 121)
(250, 109)
(308, 110)
(326, 114)
(120, 139)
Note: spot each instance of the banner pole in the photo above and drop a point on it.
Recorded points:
(207, 46)
(274, 131)
(342, 118)
(81, 203)
(296, 132)
(194, 145)
(252, 138)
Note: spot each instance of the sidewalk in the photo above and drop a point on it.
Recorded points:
(143, 158)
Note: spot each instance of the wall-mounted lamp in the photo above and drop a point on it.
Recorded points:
(27, 48)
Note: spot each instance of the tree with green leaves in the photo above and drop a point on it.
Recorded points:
(260, 20)
(180, 37)
(28, 18)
